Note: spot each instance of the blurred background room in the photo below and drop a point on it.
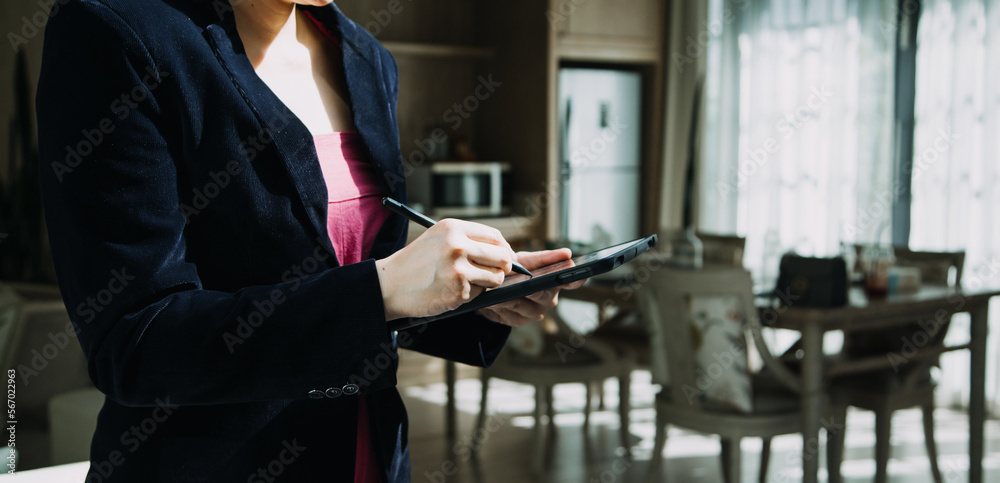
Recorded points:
(820, 306)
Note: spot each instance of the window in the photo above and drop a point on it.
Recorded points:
(800, 145)
(813, 114)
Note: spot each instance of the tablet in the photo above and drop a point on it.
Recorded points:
(560, 273)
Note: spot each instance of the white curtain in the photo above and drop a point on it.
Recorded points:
(797, 150)
(956, 172)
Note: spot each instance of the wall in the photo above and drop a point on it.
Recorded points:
(449, 25)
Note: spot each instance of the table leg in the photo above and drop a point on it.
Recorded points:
(449, 408)
(812, 400)
(977, 391)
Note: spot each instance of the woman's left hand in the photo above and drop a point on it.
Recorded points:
(531, 308)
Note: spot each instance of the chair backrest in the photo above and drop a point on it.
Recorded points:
(717, 250)
(935, 267)
(693, 354)
(722, 250)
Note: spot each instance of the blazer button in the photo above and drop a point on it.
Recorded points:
(351, 389)
(333, 392)
(316, 394)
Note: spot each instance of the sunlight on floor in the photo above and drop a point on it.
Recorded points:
(695, 455)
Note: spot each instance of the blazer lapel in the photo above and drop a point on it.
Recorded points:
(372, 106)
(292, 139)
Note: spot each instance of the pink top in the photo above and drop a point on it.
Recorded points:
(355, 190)
(354, 216)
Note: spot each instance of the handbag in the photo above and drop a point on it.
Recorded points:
(812, 282)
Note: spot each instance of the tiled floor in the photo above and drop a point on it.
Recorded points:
(505, 451)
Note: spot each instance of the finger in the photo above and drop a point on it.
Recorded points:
(478, 232)
(490, 315)
(455, 297)
(524, 307)
(483, 276)
(512, 318)
(573, 285)
(465, 293)
(532, 260)
(542, 296)
(491, 256)
(545, 298)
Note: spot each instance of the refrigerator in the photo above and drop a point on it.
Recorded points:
(600, 135)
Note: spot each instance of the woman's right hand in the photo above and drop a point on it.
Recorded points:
(446, 266)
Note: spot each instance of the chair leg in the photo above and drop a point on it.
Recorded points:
(726, 447)
(659, 444)
(731, 460)
(586, 407)
(550, 409)
(835, 444)
(883, 434)
(928, 410)
(600, 395)
(624, 406)
(450, 413)
(481, 419)
(765, 458)
(538, 459)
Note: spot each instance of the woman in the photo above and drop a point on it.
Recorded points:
(220, 251)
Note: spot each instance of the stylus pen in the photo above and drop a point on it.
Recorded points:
(424, 221)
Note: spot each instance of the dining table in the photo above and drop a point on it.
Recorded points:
(862, 312)
(865, 312)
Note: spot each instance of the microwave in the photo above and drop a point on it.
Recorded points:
(461, 189)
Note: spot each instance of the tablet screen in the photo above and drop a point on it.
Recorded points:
(513, 278)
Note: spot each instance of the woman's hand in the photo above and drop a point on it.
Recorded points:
(531, 308)
(446, 266)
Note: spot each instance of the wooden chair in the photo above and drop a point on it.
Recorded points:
(565, 357)
(906, 385)
(630, 334)
(722, 250)
(665, 300)
(936, 268)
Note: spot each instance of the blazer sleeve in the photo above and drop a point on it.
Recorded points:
(468, 338)
(147, 325)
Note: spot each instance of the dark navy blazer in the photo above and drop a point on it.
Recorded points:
(186, 212)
